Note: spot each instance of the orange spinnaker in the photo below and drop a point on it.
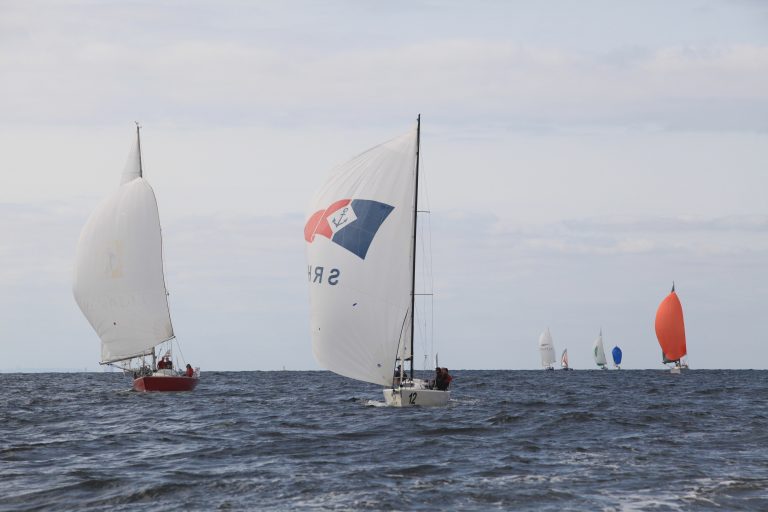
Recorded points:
(670, 328)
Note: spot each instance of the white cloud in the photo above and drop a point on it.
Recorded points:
(70, 67)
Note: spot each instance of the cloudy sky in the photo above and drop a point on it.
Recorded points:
(579, 157)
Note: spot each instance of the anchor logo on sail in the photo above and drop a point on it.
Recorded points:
(341, 218)
(350, 223)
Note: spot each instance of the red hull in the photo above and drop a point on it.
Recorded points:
(165, 383)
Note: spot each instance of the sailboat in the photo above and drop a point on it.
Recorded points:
(361, 251)
(119, 284)
(598, 352)
(670, 331)
(616, 353)
(564, 360)
(547, 350)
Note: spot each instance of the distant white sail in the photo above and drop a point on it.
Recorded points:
(598, 351)
(119, 283)
(564, 359)
(546, 349)
(359, 248)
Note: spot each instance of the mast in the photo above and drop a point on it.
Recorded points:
(138, 142)
(413, 245)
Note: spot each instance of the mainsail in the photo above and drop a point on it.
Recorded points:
(547, 349)
(598, 351)
(359, 238)
(564, 359)
(670, 328)
(119, 283)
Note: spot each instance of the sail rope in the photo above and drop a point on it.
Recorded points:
(427, 325)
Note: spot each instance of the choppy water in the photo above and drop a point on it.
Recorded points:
(511, 440)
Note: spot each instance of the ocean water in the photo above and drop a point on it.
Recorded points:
(509, 440)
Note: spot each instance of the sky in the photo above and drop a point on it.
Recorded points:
(578, 157)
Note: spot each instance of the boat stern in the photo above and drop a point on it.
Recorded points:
(411, 397)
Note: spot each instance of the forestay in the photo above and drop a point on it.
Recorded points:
(359, 238)
(119, 283)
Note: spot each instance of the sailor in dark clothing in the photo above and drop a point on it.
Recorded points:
(442, 379)
(438, 378)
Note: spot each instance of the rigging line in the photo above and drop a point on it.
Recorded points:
(178, 345)
(424, 270)
(429, 258)
(401, 341)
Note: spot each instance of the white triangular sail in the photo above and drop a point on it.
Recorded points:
(359, 238)
(546, 349)
(598, 351)
(564, 359)
(119, 283)
(132, 169)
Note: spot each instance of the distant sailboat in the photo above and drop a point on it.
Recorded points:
(599, 352)
(616, 353)
(547, 350)
(361, 250)
(564, 360)
(120, 287)
(670, 331)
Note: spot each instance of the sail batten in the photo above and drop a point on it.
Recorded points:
(359, 249)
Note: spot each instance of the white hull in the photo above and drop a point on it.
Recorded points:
(678, 369)
(416, 393)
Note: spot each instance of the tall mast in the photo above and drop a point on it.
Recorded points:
(138, 142)
(413, 245)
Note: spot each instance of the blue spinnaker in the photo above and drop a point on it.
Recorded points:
(616, 355)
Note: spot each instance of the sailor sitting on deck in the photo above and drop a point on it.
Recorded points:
(442, 379)
(165, 363)
(396, 378)
(190, 372)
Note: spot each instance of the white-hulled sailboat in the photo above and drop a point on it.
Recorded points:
(120, 287)
(361, 250)
(598, 351)
(670, 331)
(547, 350)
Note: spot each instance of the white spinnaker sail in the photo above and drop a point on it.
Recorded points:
(599, 351)
(359, 238)
(119, 283)
(547, 349)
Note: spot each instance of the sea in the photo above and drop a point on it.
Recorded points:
(286, 440)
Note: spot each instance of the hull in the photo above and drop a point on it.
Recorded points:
(412, 396)
(165, 383)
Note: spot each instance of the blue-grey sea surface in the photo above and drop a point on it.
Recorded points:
(509, 440)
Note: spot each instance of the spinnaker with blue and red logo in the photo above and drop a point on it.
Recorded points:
(350, 223)
(359, 236)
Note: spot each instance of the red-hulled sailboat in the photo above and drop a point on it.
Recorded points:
(670, 331)
(120, 286)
